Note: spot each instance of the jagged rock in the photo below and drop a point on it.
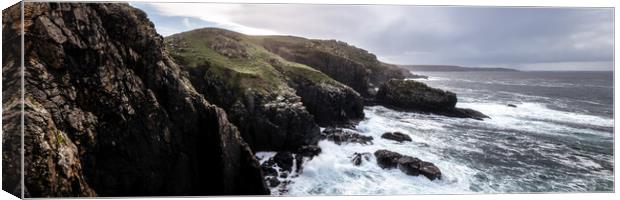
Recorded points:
(340, 136)
(410, 95)
(407, 164)
(267, 168)
(396, 136)
(284, 160)
(272, 181)
(387, 159)
(358, 158)
(309, 151)
(108, 113)
(331, 102)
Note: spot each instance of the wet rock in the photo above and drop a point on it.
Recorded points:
(429, 170)
(396, 136)
(387, 159)
(309, 151)
(284, 160)
(272, 181)
(409, 165)
(342, 136)
(268, 168)
(358, 158)
(414, 96)
(283, 174)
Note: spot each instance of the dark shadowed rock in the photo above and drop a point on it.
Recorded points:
(272, 181)
(267, 168)
(409, 165)
(309, 151)
(387, 159)
(396, 136)
(340, 136)
(284, 160)
(410, 95)
(512, 105)
(108, 113)
(358, 158)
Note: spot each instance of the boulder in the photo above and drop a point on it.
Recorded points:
(429, 170)
(396, 136)
(409, 165)
(387, 159)
(414, 96)
(342, 136)
(358, 158)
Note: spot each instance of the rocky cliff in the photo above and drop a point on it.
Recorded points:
(108, 113)
(277, 104)
(348, 64)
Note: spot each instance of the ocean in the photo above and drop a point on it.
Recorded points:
(558, 138)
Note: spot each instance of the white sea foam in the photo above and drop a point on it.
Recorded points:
(537, 117)
(332, 172)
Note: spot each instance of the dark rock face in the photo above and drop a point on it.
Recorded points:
(341, 136)
(410, 95)
(396, 136)
(358, 158)
(407, 164)
(277, 122)
(309, 151)
(331, 104)
(387, 159)
(109, 114)
(284, 160)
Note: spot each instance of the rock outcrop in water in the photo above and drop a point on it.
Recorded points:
(407, 164)
(410, 95)
(342, 136)
(276, 104)
(396, 136)
(108, 113)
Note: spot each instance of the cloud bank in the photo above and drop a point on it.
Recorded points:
(528, 38)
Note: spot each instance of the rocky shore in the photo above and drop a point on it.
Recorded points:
(114, 109)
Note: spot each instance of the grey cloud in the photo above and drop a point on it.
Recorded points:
(470, 36)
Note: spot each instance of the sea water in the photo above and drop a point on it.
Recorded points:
(559, 138)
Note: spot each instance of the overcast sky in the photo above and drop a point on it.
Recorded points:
(513, 37)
